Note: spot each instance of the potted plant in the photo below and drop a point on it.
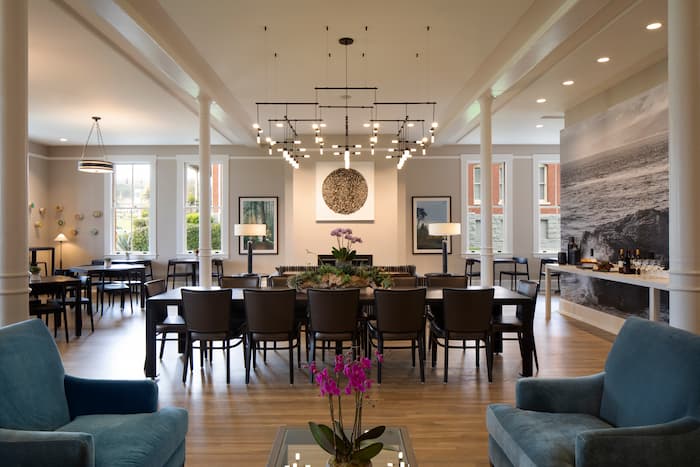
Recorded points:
(34, 271)
(344, 253)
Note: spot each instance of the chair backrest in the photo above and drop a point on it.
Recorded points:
(31, 379)
(278, 281)
(652, 375)
(207, 311)
(530, 288)
(520, 259)
(239, 282)
(400, 310)
(404, 281)
(97, 262)
(334, 310)
(467, 310)
(446, 281)
(269, 311)
(155, 287)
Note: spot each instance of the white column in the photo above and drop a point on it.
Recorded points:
(14, 293)
(486, 204)
(204, 192)
(684, 161)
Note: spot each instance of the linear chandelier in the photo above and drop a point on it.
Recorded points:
(95, 166)
(389, 123)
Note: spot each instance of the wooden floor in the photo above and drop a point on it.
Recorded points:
(236, 424)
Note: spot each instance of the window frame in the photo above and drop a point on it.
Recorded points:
(180, 236)
(538, 159)
(109, 207)
(541, 181)
(507, 160)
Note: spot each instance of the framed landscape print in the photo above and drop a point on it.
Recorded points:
(427, 210)
(258, 210)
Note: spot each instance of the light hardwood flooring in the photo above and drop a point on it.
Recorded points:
(235, 425)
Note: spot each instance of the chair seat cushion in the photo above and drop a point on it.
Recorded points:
(543, 439)
(145, 439)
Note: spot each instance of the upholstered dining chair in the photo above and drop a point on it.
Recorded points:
(404, 281)
(522, 321)
(467, 316)
(333, 317)
(270, 318)
(208, 318)
(240, 282)
(165, 323)
(400, 316)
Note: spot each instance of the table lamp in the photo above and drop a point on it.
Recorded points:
(444, 229)
(60, 238)
(250, 230)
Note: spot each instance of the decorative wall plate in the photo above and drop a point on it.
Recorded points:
(74, 232)
(37, 224)
(60, 222)
(96, 213)
(79, 216)
(59, 208)
(31, 205)
(94, 231)
(42, 211)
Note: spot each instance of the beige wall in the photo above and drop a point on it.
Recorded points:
(55, 180)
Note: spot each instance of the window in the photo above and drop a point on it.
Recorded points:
(547, 180)
(500, 206)
(130, 201)
(188, 203)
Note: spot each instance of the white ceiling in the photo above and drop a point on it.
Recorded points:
(139, 64)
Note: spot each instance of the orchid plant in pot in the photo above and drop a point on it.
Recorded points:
(344, 253)
(347, 447)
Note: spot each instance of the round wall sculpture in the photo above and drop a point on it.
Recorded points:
(344, 191)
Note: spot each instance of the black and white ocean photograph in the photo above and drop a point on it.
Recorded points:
(614, 170)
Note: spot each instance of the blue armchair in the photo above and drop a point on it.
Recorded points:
(48, 418)
(643, 410)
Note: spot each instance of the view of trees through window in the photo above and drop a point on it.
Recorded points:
(131, 198)
(192, 206)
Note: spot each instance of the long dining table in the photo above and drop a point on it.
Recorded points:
(156, 305)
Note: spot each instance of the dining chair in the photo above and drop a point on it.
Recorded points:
(333, 317)
(240, 282)
(278, 281)
(400, 316)
(81, 296)
(270, 318)
(557, 274)
(187, 273)
(56, 308)
(442, 281)
(515, 273)
(404, 281)
(116, 283)
(469, 269)
(522, 322)
(208, 318)
(165, 323)
(467, 316)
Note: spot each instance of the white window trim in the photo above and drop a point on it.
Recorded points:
(109, 205)
(542, 201)
(538, 159)
(180, 204)
(465, 160)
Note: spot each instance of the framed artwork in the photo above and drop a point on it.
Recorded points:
(258, 210)
(427, 210)
(344, 194)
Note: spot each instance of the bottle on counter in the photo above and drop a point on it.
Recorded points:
(573, 252)
(621, 260)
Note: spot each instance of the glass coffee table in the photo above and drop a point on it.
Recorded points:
(295, 447)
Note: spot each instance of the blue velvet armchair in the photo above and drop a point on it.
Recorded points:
(48, 418)
(643, 410)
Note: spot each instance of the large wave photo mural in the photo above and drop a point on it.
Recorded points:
(614, 194)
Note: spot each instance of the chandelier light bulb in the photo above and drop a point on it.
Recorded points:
(346, 156)
(257, 139)
(434, 125)
(320, 150)
(424, 151)
(371, 151)
(256, 126)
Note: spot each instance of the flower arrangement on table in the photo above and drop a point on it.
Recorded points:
(328, 276)
(360, 447)
(344, 252)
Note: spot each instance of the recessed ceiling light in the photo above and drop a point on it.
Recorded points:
(539, 125)
(541, 100)
(63, 140)
(568, 82)
(603, 60)
(654, 26)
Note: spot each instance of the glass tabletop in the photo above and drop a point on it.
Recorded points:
(295, 447)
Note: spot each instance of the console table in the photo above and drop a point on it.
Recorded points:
(654, 284)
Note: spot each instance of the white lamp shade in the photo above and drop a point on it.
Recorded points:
(60, 238)
(249, 230)
(444, 229)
